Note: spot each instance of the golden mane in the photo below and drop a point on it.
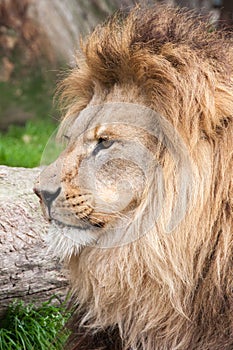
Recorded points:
(163, 291)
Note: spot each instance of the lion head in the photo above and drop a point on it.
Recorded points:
(140, 199)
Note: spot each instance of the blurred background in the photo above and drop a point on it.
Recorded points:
(38, 40)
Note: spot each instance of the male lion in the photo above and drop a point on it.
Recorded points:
(140, 201)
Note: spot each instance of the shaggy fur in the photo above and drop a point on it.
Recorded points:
(163, 291)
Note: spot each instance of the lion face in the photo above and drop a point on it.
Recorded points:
(108, 182)
(97, 183)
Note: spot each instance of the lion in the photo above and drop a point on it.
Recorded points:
(141, 198)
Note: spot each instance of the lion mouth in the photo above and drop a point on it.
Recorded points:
(86, 225)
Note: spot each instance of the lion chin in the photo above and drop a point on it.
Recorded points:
(65, 241)
(141, 199)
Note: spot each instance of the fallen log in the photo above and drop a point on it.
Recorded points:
(27, 271)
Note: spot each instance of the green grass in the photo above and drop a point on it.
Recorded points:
(29, 92)
(23, 146)
(26, 327)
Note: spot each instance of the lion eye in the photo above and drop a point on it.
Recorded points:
(102, 144)
(105, 143)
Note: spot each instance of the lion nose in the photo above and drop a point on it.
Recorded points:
(46, 196)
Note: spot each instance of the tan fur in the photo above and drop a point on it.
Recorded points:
(163, 291)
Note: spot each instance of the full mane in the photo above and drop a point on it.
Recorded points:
(163, 291)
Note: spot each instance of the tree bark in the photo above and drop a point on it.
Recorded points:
(27, 271)
(226, 17)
